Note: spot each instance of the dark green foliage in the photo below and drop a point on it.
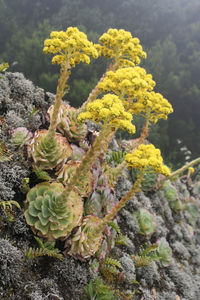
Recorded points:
(45, 249)
(116, 156)
(110, 269)
(146, 256)
(8, 208)
(97, 290)
(159, 251)
(120, 239)
(41, 174)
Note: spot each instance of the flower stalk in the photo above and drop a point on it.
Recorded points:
(99, 145)
(184, 168)
(64, 75)
(130, 194)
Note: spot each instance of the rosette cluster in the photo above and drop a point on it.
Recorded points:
(83, 187)
(47, 152)
(87, 239)
(70, 46)
(68, 124)
(109, 110)
(50, 214)
(147, 156)
(120, 46)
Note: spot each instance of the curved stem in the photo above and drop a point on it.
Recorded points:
(100, 144)
(135, 188)
(181, 170)
(95, 92)
(64, 75)
(144, 133)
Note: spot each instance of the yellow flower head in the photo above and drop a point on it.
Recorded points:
(191, 170)
(147, 156)
(70, 46)
(152, 104)
(121, 46)
(127, 82)
(108, 110)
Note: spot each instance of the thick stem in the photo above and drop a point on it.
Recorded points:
(100, 144)
(135, 188)
(176, 173)
(64, 74)
(181, 170)
(144, 133)
(95, 92)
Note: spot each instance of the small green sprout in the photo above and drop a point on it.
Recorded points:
(8, 208)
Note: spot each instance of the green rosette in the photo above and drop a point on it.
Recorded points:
(47, 153)
(87, 240)
(49, 213)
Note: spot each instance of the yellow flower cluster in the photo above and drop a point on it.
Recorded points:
(134, 87)
(121, 46)
(191, 170)
(127, 82)
(71, 46)
(152, 104)
(108, 110)
(147, 156)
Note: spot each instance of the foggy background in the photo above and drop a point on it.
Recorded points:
(169, 31)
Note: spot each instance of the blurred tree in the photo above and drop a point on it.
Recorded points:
(168, 30)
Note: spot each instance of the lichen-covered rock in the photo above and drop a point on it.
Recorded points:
(11, 264)
(11, 177)
(24, 105)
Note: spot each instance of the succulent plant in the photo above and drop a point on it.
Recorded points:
(49, 213)
(176, 205)
(47, 152)
(148, 181)
(99, 204)
(164, 252)
(20, 136)
(171, 194)
(146, 222)
(68, 124)
(193, 212)
(87, 239)
(77, 152)
(169, 191)
(84, 187)
(102, 198)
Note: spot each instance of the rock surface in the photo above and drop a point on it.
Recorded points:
(24, 105)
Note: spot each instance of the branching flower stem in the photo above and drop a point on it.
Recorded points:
(184, 168)
(144, 133)
(99, 145)
(134, 189)
(95, 92)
